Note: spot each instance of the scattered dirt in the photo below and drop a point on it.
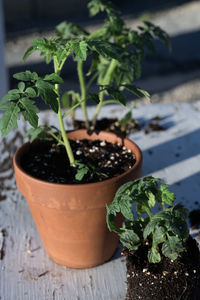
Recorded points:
(154, 125)
(49, 162)
(3, 234)
(179, 279)
(111, 125)
(43, 274)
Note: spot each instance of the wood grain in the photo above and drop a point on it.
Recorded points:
(26, 272)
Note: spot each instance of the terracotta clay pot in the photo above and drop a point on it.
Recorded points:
(71, 219)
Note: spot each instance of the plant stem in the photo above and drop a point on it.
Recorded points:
(60, 119)
(91, 80)
(83, 92)
(106, 81)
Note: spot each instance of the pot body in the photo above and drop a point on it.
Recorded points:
(71, 219)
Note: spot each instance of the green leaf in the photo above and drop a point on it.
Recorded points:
(94, 97)
(46, 91)
(154, 256)
(130, 236)
(28, 52)
(96, 6)
(81, 172)
(9, 118)
(126, 119)
(151, 198)
(30, 92)
(150, 227)
(21, 86)
(9, 97)
(159, 235)
(29, 111)
(67, 30)
(168, 197)
(137, 91)
(34, 132)
(172, 247)
(126, 207)
(54, 78)
(26, 76)
(106, 49)
(80, 49)
(116, 94)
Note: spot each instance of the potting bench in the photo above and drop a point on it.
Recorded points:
(26, 272)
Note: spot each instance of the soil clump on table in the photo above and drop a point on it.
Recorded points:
(179, 279)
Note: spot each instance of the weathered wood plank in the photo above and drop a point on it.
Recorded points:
(26, 272)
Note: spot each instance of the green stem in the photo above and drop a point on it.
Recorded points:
(56, 138)
(106, 81)
(71, 110)
(83, 92)
(61, 123)
(162, 206)
(110, 102)
(91, 80)
(148, 211)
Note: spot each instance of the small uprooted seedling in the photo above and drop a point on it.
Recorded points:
(165, 232)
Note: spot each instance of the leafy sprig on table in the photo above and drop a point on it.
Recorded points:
(165, 232)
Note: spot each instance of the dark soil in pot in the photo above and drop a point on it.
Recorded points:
(47, 161)
(174, 280)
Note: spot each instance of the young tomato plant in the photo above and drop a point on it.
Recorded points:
(117, 53)
(165, 232)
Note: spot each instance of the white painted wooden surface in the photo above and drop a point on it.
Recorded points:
(26, 272)
(3, 71)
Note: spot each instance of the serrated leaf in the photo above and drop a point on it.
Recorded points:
(151, 199)
(172, 247)
(54, 78)
(150, 227)
(28, 52)
(126, 119)
(21, 86)
(94, 97)
(31, 92)
(80, 49)
(168, 197)
(159, 235)
(9, 97)
(81, 172)
(13, 92)
(67, 30)
(130, 236)
(130, 247)
(9, 118)
(107, 50)
(26, 76)
(36, 133)
(46, 91)
(29, 111)
(126, 207)
(116, 94)
(154, 256)
(137, 91)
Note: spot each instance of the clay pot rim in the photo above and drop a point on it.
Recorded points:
(86, 185)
